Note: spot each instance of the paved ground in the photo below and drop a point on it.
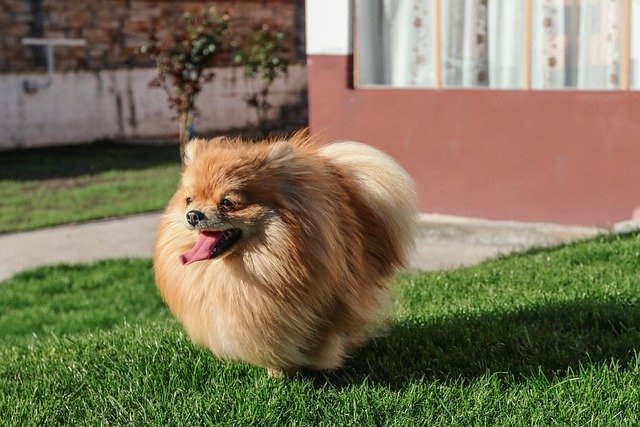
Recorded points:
(443, 242)
(446, 242)
(114, 238)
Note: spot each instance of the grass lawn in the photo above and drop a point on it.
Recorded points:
(549, 337)
(48, 186)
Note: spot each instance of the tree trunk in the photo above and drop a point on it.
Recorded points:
(186, 130)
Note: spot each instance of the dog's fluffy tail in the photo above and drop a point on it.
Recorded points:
(386, 187)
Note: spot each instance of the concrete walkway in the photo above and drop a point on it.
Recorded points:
(443, 242)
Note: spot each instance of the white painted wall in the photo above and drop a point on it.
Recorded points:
(85, 106)
(329, 27)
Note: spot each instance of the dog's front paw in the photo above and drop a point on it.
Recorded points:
(275, 373)
(280, 372)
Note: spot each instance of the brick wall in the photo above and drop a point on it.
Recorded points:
(115, 29)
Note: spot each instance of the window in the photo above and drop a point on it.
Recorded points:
(502, 44)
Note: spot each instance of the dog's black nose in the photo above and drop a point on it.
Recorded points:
(194, 217)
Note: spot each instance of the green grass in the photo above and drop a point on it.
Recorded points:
(549, 337)
(49, 186)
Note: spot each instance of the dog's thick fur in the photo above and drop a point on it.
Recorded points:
(323, 231)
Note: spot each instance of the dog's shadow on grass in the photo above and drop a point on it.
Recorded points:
(546, 339)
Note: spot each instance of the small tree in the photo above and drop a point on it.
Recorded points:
(263, 55)
(182, 55)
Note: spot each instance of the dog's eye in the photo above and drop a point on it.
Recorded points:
(226, 205)
(188, 200)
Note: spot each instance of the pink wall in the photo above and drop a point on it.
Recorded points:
(566, 157)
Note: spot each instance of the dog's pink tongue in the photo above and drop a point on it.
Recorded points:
(203, 247)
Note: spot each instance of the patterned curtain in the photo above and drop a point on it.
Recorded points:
(395, 38)
(549, 44)
(506, 24)
(481, 43)
(634, 78)
(575, 43)
(465, 48)
(600, 53)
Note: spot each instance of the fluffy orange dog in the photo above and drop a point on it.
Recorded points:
(280, 253)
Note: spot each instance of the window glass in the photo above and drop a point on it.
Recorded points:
(634, 77)
(575, 44)
(395, 42)
(482, 43)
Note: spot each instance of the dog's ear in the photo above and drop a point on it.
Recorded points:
(191, 150)
(280, 154)
(196, 146)
(301, 138)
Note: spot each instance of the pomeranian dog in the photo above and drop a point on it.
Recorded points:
(280, 253)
